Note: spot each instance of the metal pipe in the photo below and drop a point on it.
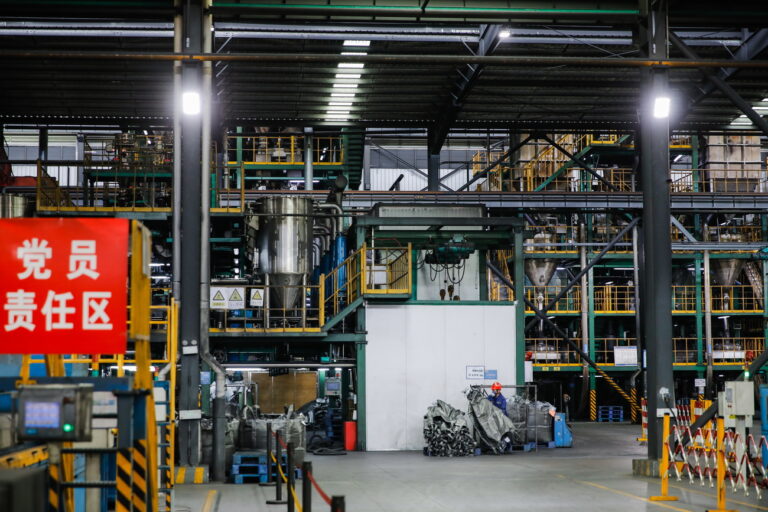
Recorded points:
(708, 326)
(584, 307)
(489, 13)
(176, 212)
(489, 60)
(338, 219)
(308, 160)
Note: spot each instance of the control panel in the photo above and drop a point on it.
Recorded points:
(55, 412)
(332, 387)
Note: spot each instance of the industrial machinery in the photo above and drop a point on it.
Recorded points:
(285, 250)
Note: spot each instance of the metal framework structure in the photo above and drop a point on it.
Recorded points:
(566, 67)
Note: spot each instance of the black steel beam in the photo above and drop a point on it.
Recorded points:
(191, 211)
(656, 320)
(468, 75)
(726, 89)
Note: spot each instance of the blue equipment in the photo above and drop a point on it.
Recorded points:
(563, 436)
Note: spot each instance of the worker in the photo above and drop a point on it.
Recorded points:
(497, 398)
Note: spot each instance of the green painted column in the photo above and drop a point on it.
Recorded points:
(483, 271)
(519, 281)
(361, 401)
(699, 311)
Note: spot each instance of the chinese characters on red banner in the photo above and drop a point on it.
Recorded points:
(63, 286)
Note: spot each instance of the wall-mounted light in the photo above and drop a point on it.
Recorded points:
(661, 106)
(505, 34)
(190, 103)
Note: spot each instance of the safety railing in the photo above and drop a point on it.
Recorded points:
(541, 296)
(266, 308)
(685, 351)
(736, 350)
(605, 349)
(228, 189)
(719, 180)
(551, 351)
(283, 150)
(743, 233)
(735, 299)
(683, 299)
(367, 271)
(614, 299)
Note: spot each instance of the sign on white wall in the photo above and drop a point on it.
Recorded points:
(475, 372)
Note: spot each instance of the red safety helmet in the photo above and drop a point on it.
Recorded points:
(496, 386)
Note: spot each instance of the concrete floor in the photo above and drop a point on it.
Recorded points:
(594, 475)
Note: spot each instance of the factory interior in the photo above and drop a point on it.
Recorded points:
(383, 255)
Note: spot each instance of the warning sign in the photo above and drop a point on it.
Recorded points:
(227, 297)
(257, 297)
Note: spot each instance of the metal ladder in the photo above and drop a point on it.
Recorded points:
(755, 279)
(165, 448)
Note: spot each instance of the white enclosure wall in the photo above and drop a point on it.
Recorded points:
(417, 354)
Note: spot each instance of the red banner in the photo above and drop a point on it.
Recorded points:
(63, 286)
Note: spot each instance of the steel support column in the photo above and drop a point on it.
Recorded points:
(657, 248)
(433, 170)
(42, 144)
(190, 243)
(519, 287)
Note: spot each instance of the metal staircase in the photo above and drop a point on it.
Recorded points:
(754, 275)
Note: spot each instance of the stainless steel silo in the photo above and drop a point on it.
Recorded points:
(12, 206)
(285, 248)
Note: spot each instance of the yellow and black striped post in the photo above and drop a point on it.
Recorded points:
(633, 408)
(54, 487)
(168, 483)
(139, 484)
(593, 405)
(123, 480)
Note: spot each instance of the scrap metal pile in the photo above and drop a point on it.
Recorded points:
(448, 432)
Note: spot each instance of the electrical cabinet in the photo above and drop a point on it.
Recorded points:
(738, 399)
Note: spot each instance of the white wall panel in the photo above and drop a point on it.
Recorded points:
(417, 354)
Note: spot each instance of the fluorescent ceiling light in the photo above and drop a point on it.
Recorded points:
(661, 106)
(190, 103)
(337, 117)
(356, 42)
(348, 76)
(340, 104)
(354, 53)
(345, 86)
(342, 95)
(351, 65)
(504, 34)
(338, 111)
